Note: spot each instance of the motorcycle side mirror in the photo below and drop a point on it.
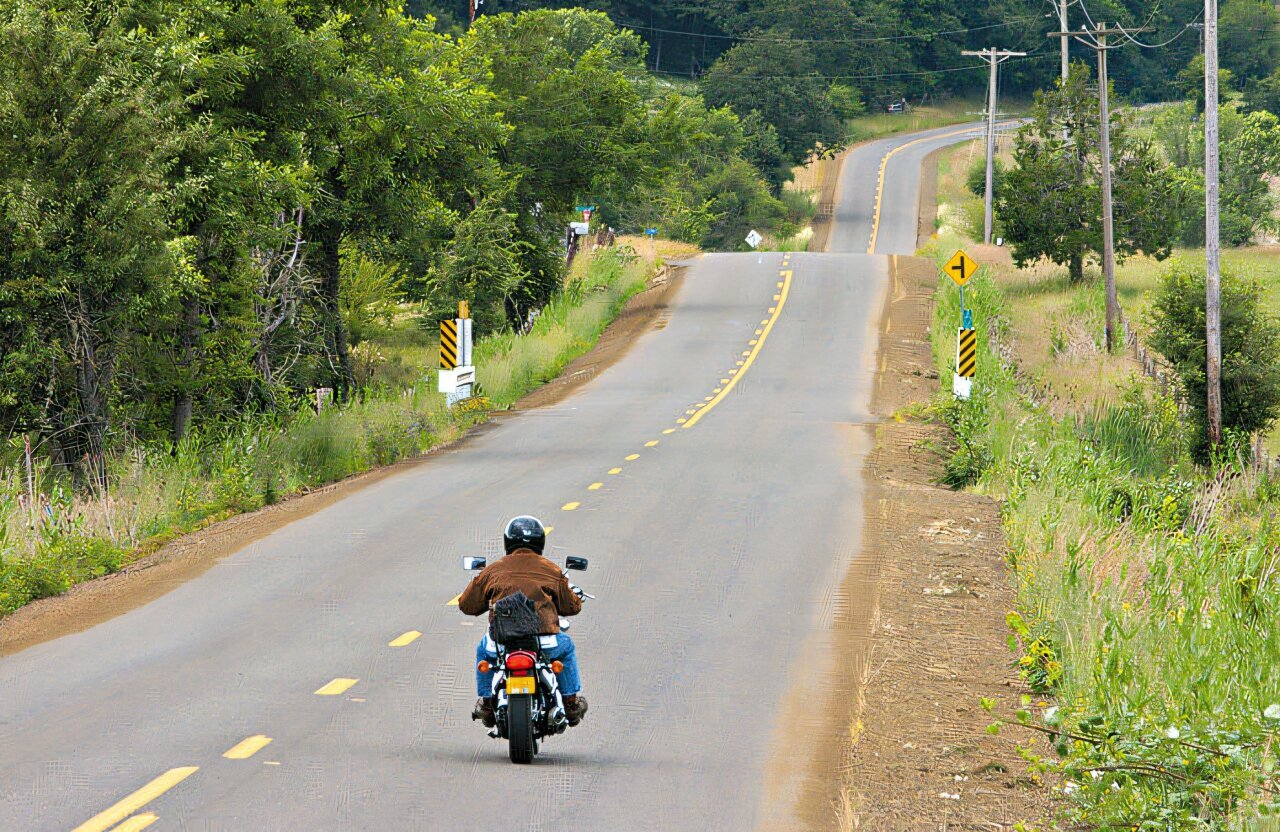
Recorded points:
(472, 564)
(577, 563)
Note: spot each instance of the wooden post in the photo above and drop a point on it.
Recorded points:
(1213, 276)
(1108, 224)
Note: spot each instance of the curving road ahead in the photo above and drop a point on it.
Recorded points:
(318, 679)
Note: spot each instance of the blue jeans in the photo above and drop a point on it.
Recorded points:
(570, 683)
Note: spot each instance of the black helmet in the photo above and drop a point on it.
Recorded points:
(524, 532)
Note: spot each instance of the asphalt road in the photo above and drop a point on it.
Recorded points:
(712, 475)
(898, 160)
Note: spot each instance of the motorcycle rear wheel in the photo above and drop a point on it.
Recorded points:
(520, 740)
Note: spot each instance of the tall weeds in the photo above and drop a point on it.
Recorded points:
(1148, 597)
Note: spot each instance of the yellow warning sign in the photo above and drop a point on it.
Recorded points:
(967, 353)
(960, 268)
(448, 345)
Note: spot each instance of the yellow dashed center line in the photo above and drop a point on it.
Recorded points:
(570, 506)
(884, 164)
(137, 823)
(549, 529)
(681, 420)
(247, 747)
(337, 687)
(633, 457)
(408, 638)
(454, 602)
(669, 430)
(108, 818)
(750, 354)
(652, 443)
(595, 486)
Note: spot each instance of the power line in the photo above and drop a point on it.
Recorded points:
(1030, 56)
(874, 39)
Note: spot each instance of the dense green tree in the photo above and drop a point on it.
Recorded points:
(1247, 45)
(91, 136)
(1250, 350)
(1250, 156)
(781, 84)
(1050, 202)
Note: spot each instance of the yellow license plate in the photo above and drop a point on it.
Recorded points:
(521, 684)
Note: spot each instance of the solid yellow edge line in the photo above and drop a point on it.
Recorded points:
(884, 165)
(108, 818)
(336, 687)
(247, 747)
(751, 355)
(405, 639)
(137, 823)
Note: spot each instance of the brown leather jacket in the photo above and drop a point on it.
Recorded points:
(524, 570)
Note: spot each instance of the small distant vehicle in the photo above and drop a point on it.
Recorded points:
(529, 707)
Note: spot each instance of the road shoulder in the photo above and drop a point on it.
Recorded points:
(935, 643)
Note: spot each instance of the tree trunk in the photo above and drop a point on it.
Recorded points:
(87, 434)
(1076, 267)
(184, 402)
(330, 266)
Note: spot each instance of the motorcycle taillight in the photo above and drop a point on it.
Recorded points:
(520, 660)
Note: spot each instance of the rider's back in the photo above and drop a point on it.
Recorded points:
(523, 571)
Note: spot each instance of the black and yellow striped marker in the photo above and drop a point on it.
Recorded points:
(967, 353)
(449, 345)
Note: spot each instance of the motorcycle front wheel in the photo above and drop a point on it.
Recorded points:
(520, 739)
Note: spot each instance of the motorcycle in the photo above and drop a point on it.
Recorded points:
(528, 705)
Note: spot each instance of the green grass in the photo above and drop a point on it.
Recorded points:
(879, 124)
(1147, 590)
(158, 493)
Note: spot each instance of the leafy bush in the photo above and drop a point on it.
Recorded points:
(1250, 350)
(973, 455)
(976, 179)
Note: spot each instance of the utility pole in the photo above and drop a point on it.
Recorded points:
(1213, 276)
(1099, 45)
(994, 57)
(1062, 24)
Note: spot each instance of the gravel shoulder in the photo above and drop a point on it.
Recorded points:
(920, 757)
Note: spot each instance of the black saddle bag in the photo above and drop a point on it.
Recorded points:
(514, 617)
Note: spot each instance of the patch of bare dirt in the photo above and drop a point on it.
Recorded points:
(828, 197)
(934, 642)
(146, 579)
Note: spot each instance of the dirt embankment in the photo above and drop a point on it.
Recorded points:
(935, 644)
(96, 601)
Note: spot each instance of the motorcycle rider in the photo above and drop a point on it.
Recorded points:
(524, 569)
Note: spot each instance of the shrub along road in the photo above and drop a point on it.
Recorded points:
(714, 474)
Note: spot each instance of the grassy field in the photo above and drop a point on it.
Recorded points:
(1057, 330)
(879, 124)
(159, 493)
(1148, 588)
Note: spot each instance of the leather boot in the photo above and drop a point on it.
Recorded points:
(575, 708)
(483, 711)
